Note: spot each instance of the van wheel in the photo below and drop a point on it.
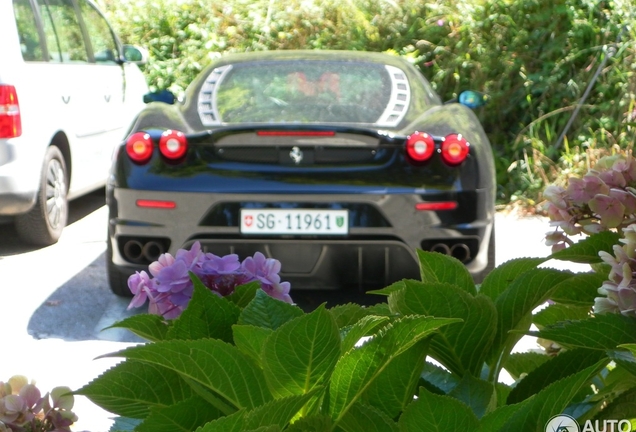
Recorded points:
(44, 223)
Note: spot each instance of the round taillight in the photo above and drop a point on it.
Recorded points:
(173, 144)
(420, 146)
(455, 149)
(139, 147)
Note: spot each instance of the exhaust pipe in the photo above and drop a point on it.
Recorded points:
(441, 248)
(152, 251)
(461, 252)
(133, 251)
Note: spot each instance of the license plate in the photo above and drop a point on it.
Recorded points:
(296, 221)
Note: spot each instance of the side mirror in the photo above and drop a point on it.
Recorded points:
(134, 54)
(473, 99)
(165, 96)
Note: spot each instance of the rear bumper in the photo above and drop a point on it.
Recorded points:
(368, 257)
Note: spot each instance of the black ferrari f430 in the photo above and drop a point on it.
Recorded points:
(339, 164)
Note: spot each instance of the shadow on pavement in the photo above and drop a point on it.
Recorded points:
(81, 308)
(11, 244)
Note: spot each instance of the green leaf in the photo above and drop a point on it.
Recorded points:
(278, 412)
(439, 378)
(132, 388)
(244, 294)
(579, 290)
(184, 416)
(515, 306)
(270, 428)
(358, 368)
(622, 407)
(365, 418)
(318, 423)
(625, 359)
(301, 354)
(150, 327)
(523, 363)
(395, 387)
(478, 395)
(561, 366)
(364, 327)
(559, 312)
(440, 268)
(265, 311)
(124, 424)
(207, 316)
(231, 423)
(536, 412)
(460, 347)
(500, 278)
(348, 314)
(495, 420)
(603, 332)
(586, 251)
(211, 363)
(250, 340)
(435, 413)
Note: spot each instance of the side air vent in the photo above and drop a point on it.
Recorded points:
(208, 111)
(399, 101)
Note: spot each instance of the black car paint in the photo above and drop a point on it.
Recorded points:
(385, 176)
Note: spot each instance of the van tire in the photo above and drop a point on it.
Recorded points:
(43, 224)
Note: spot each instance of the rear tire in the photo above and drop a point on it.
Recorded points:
(43, 224)
(479, 277)
(117, 279)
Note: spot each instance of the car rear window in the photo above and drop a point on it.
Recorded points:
(305, 92)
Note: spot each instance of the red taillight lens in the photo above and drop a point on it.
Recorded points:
(420, 146)
(173, 144)
(455, 149)
(10, 121)
(158, 204)
(436, 206)
(139, 147)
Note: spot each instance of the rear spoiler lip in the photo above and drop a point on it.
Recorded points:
(386, 137)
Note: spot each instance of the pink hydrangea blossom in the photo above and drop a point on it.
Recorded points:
(603, 199)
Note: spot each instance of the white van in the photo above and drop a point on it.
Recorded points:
(68, 92)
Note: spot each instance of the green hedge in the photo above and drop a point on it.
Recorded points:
(534, 58)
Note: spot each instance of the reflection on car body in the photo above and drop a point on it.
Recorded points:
(339, 164)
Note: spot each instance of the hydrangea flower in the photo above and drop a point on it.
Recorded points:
(170, 288)
(23, 408)
(605, 198)
(619, 292)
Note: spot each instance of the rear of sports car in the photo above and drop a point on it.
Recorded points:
(339, 169)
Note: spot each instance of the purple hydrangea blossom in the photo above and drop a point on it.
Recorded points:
(170, 288)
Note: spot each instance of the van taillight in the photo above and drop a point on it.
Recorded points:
(10, 122)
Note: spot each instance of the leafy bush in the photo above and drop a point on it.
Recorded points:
(248, 362)
(534, 58)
